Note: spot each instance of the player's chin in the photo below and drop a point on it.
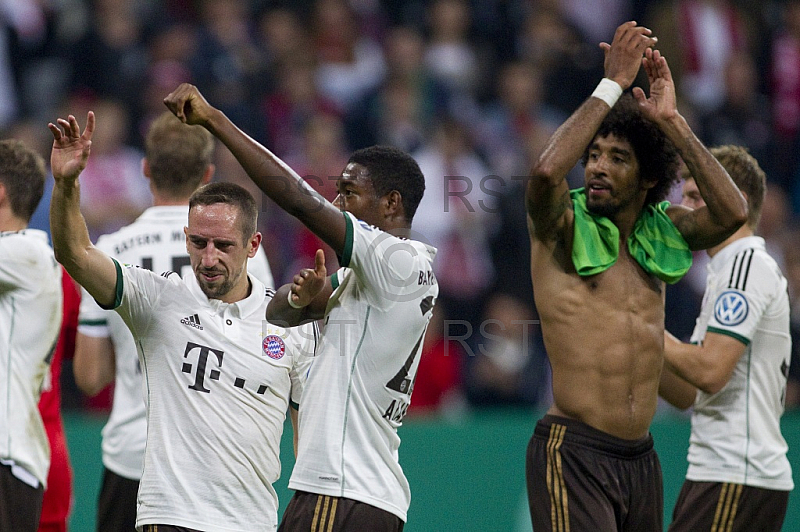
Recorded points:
(601, 208)
(214, 289)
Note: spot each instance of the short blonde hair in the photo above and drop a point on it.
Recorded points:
(178, 154)
(747, 175)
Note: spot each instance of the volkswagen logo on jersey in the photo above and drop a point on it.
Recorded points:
(731, 308)
(273, 346)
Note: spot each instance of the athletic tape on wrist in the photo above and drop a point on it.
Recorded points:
(608, 90)
(292, 303)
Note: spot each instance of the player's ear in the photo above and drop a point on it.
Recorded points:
(393, 204)
(647, 184)
(254, 243)
(208, 174)
(146, 168)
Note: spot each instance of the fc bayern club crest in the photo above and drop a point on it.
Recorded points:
(273, 347)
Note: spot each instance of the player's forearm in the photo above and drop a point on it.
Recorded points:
(68, 227)
(273, 176)
(73, 248)
(692, 364)
(568, 144)
(280, 313)
(725, 202)
(675, 390)
(547, 192)
(280, 183)
(94, 365)
(295, 416)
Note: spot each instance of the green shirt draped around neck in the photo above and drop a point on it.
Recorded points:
(655, 243)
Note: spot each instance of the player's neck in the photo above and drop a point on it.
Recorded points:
(626, 218)
(10, 222)
(743, 232)
(399, 231)
(163, 200)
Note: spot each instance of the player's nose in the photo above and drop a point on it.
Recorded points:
(209, 256)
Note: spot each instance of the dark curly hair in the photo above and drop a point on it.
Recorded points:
(656, 154)
(393, 169)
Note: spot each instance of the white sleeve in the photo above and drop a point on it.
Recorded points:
(385, 264)
(92, 320)
(739, 307)
(307, 337)
(12, 267)
(138, 292)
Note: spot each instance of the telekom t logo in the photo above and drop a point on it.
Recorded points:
(202, 358)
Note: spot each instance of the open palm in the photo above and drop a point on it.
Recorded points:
(70, 147)
(661, 104)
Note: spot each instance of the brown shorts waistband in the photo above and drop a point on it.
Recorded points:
(579, 433)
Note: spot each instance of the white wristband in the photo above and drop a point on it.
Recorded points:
(608, 90)
(292, 303)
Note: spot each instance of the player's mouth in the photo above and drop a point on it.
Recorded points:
(597, 189)
(211, 276)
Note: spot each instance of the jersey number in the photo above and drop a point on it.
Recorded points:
(178, 263)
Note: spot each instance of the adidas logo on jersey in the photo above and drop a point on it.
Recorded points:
(192, 321)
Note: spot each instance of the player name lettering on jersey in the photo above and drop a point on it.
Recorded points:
(426, 278)
(138, 240)
(396, 411)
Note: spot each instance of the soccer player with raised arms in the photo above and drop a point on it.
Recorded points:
(217, 386)
(376, 309)
(178, 160)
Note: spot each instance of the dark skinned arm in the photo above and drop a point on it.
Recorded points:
(310, 291)
(547, 193)
(279, 182)
(726, 208)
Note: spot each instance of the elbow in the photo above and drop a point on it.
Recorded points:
(89, 385)
(62, 256)
(712, 384)
(684, 403)
(68, 259)
(275, 316)
(738, 215)
(740, 218)
(545, 174)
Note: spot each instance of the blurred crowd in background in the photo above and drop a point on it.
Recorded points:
(471, 88)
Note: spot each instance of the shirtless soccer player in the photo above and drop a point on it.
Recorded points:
(599, 258)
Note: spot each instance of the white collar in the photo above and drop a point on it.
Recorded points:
(718, 261)
(240, 309)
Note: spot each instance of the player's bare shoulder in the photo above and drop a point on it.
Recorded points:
(551, 236)
(549, 221)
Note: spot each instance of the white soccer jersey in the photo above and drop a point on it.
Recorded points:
(155, 241)
(30, 319)
(736, 434)
(360, 382)
(219, 379)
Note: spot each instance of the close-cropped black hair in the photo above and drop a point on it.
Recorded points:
(230, 194)
(656, 154)
(393, 169)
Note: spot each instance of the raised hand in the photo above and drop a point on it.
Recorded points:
(623, 57)
(307, 284)
(71, 148)
(661, 104)
(189, 105)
